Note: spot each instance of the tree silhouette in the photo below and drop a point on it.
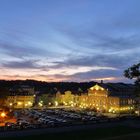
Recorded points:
(133, 72)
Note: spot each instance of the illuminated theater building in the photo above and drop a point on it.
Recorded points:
(103, 97)
(116, 98)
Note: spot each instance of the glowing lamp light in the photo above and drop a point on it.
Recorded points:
(137, 112)
(102, 88)
(110, 110)
(97, 88)
(113, 111)
(132, 108)
(29, 103)
(72, 105)
(10, 104)
(19, 103)
(3, 114)
(56, 103)
(40, 104)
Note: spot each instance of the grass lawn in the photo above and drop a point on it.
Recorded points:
(118, 132)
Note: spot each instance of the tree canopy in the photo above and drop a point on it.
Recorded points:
(133, 72)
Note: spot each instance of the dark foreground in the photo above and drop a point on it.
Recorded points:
(118, 132)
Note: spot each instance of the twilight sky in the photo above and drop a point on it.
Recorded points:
(68, 40)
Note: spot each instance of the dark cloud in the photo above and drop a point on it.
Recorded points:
(20, 44)
(102, 40)
(21, 51)
(88, 76)
(97, 74)
(24, 64)
(110, 60)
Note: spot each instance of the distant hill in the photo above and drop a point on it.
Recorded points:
(50, 87)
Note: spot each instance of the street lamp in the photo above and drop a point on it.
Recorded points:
(3, 114)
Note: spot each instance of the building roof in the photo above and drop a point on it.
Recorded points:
(97, 87)
(119, 89)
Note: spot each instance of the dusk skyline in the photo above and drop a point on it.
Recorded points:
(76, 40)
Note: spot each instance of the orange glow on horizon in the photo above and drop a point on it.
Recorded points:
(107, 79)
(54, 79)
(17, 74)
(37, 78)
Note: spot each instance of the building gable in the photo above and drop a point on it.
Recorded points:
(97, 91)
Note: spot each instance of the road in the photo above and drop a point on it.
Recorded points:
(61, 129)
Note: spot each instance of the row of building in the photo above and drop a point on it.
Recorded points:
(102, 97)
(20, 97)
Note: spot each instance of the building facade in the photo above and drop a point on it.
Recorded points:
(104, 98)
(22, 97)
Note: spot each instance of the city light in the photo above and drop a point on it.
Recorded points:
(19, 103)
(29, 103)
(56, 103)
(3, 114)
(11, 104)
(40, 104)
(49, 103)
